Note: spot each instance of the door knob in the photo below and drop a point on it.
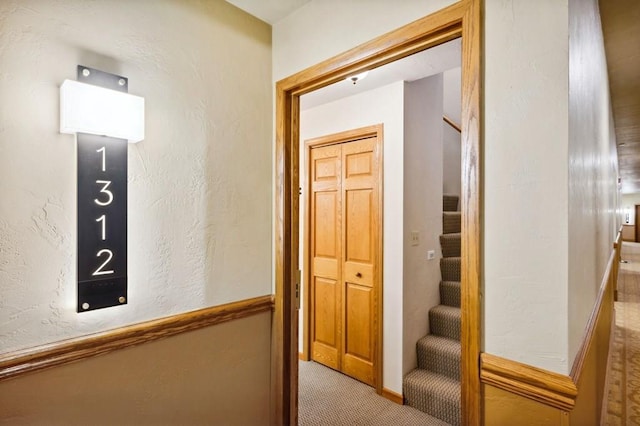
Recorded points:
(358, 274)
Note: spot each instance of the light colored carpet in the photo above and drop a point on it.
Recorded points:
(623, 377)
(329, 398)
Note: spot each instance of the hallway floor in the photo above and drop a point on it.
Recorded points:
(329, 398)
(623, 377)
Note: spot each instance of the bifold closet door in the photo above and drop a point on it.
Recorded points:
(344, 224)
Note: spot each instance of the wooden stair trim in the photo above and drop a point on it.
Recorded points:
(451, 123)
(17, 363)
(546, 387)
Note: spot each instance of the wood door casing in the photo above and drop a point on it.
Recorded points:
(344, 229)
(635, 221)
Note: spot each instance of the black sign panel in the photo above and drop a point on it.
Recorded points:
(102, 209)
(102, 222)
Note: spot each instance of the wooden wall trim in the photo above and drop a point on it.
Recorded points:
(46, 356)
(590, 329)
(556, 390)
(451, 123)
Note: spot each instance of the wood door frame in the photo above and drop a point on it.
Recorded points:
(462, 19)
(636, 210)
(347, 136)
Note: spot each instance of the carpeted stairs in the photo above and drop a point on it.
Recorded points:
(434, 387)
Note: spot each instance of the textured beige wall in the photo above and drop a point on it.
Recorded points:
(213, 376)
(199, 216)
(526, 182)
(593, 167)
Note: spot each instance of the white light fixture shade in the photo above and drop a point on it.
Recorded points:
(85, 108)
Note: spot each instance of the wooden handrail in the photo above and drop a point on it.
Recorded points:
(451, 123)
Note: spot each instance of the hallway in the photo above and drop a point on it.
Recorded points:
(623, 377)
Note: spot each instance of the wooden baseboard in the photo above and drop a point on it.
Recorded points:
(59, 353)
(393, 396)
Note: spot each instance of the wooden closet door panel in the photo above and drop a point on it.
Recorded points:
(325, 251)
(360, 192)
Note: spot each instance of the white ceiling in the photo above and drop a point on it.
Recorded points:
(270, 11)
(420, 65)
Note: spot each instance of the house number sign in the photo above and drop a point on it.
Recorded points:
(102, 210)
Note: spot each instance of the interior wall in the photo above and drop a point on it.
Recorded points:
(383, 105)
(216, 375)
(525, 256)
(199, 184)
(503, 408)
(423, 149)
(593, 170)
(628, 205)
(451, 140)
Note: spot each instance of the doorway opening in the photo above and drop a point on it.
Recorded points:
(342, 240)
(459, 20)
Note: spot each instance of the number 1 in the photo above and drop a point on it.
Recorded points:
(103, 219)
(104, 160)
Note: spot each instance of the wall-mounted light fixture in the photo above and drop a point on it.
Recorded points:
(87, 108)
(104, 117)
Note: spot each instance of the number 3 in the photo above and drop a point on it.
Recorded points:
(104, 190)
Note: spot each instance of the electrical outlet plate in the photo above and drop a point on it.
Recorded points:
(431, 254)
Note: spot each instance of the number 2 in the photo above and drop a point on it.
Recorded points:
(99, 271)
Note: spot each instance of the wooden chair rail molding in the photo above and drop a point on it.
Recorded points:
(617, 248)
(549, 388)
(66, 351)
(556, 390)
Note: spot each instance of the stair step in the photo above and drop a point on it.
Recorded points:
(444, 321)
(450, 244)
(439, 355)
(450, 293)
(449, 203)
(451, 222)
(434, 394)
(450, 268)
